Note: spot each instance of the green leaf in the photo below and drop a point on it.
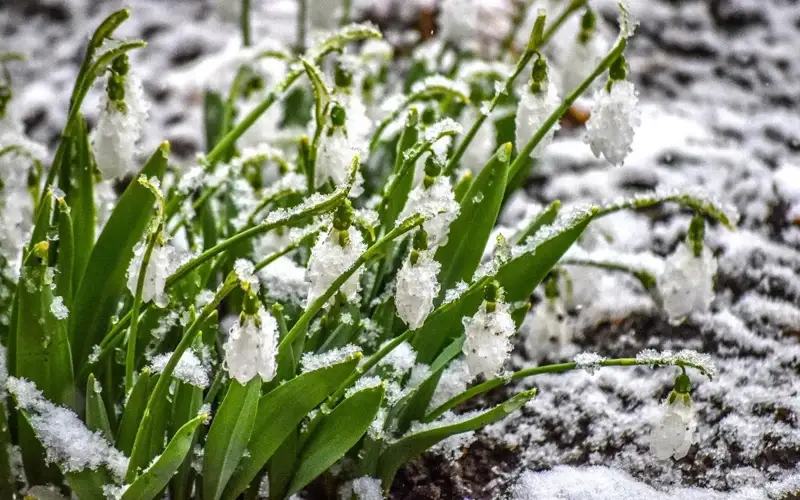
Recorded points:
(415, 444)
(153, 480)
(280, 412)
(104, 279)
(6, 481)
(133, 412)
(471, 229)
(229, 434)
(214, 112)
(321, 93)
(66, 254)
(187, 403)
(336, 434)
(545, 217)
(396, 196)
(152, 442)
(88, 483)
(81, 202)
(96, 417)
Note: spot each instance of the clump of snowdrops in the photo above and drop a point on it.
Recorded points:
(314, 297)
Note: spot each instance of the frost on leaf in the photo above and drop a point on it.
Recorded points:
(189, 368)
(311, 362)
(58, 308)
(65, 438)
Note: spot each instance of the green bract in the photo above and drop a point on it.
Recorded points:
(341, 388)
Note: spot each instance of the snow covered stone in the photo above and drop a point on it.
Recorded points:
(613, 122)
(437, 201)
(687, 284)
(163, 262)
(416, 288)
(533, 110)
(115, 137)
(252, 347)
(488, 340)
(673, 434)
(329, 260)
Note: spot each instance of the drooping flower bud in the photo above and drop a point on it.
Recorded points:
(417, 284)
(252, 346)
(673, 434)
(539, 99)
(488, 335)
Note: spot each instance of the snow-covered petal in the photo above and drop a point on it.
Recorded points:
(163, 262)
(687, 283)
(252, 347)
(613, 122)
(488, 340)
(533, 110)
(673, 434)
(416, 288)
(437, 201)
(329, 260)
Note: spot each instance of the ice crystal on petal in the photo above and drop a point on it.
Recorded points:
(439, 202)
(252, 347)
(673, 434)
(189, 368)
(416, 288)
(687, 283)
(488, 340)
(58, 308)
(613, 122)
(329, 260)
(311, 362)
(684, 356)
(245, 271)
(65, 438)
(533, 110)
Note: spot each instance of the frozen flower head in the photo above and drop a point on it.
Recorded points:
(488, 335)
(417, 284)
(252, 344)
(123, 112)
(163, 262)
(357, 124)
(475, 24)
(584, 55)
(673, 433)
(614, 117)
(336, 152)
(434, 198)
(539, 100)
(333, 254)
(687, 283)
(546, 329)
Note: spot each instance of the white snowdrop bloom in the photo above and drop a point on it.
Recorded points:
(162, 263)
(579, 62)
(482, 146)
(475, 24)
(436, 199)
(358, 123)
(329, 260)
(416, 288)
(546, 328)
(334, 158)
(613, 122)
(673, 434)
(116, 134)
(488, 340)
(533, 110)
(252, 347)
(17, 207)
(687, 283)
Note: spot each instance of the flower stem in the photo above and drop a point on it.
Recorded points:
(130, 359)
(302, 14)
(601, 68)
(244, 21)
(530, 51)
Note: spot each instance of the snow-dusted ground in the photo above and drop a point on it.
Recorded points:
(720, 92)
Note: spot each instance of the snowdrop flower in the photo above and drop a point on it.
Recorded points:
(435, 198)
(687, 283)
(123, 112)
(333, 254)
(539, 99)
(614, 117)
(475, 24)
(17, 208)
(252, 346)
(358, 124)
(584, 55)
(336, 152)
(482, 146)
(269, 72)
(546, 328)
(488, 336)
(417, 285)
(673, 434)
(161, 265)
